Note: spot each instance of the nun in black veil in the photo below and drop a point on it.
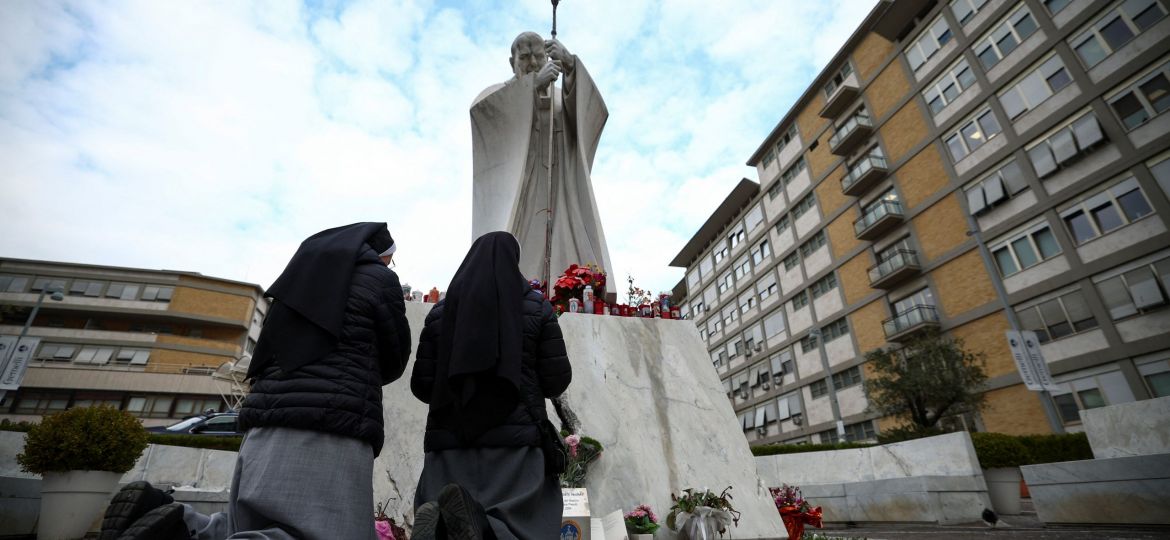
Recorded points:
(490, 353)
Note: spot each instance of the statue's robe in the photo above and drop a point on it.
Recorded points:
(509, 125)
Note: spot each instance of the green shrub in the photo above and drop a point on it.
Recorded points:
(22, 426)
(198, 441)
(908, 433)
(83, 439)
(997, 450)
(774, 449)
(1057, 448)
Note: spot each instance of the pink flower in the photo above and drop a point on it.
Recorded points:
(573, 440)
(384, 530)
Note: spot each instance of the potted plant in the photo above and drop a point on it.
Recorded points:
(794, 510)
(641, 523)
(1000, 456)
(80, 454)
(699, 515)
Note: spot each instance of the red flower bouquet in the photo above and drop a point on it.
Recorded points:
(794, 510)
(572, 284)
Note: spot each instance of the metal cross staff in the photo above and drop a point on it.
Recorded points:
(548, 224)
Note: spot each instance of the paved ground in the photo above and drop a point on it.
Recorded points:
(1018, 528)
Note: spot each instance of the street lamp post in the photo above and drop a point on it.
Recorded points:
(11, 352)
(815, 333)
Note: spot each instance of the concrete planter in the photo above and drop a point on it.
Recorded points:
(641, 536)
(1003, 486)
(71, 501)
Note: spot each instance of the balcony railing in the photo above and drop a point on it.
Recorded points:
(864, 174)
(841, 98)
(852, 132)
(882, 217)
(910, 322)
(899, 266)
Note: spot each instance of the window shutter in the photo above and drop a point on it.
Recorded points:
(1088, 131)
(975, 200)
(993, 190)
(1064, 148)
(1042, 160)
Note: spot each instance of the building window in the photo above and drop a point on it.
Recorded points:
(697, 309)
(94, 355)
(743, 268)
(1035, 87)
(808, 344)
(1143, 100)
(929, 43)
(150, 406)
(1137, 291)
(10, 283)
(92, 289)
(770, 157)
(134, 357)
(1025, 250)
(1054, 6)
(746, 303)
(1058, 317)
(40, 402)
(921, 297)
(944, 90)
(818, 388)
(762, 251)
(964, 10)
(1156, 375)
(706, 264)
(1005, 37)
(693, 280)
(829, 436)
(836, 329)
(730, 315)
(793, 170)
(725, 283)
(996, 188)
(1118, 26)
(800, 300)
(1106, 211)
(804, 205)
(1069, 405)
(54, 352)
(48, 284)
(815, 242)
(782, 224)
(775, 189)
(823, 285)
(123, 291)
(156, 293)
(861, 431)
(736, 237)
(791, 261)
(838, 79)
(767, 286)
(1065, 145)
(972, 134)
(774, 323)
(847, 378)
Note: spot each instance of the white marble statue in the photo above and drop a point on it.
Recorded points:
(510, 126)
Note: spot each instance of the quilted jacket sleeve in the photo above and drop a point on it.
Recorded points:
(393, 331)
(553, 362)
(422, 380)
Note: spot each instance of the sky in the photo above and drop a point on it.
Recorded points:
(214, 136)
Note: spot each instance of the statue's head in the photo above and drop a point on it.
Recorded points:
(528, 54)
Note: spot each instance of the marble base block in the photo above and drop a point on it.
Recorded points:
(1122, 491)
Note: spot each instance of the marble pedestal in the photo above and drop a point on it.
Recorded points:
(646, 390)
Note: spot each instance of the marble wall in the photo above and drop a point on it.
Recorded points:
(935, 480)
(1138, 428)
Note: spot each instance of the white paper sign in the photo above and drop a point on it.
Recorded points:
(1029, 362)
(1039, 366)
(575, 521)
(614, 525)
(576, 502)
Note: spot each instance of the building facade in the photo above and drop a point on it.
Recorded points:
(159, 344)
(1035, 125)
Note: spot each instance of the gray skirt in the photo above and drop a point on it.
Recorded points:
(521, 502)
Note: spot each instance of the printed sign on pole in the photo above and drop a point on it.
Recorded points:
(1039, 366)
(13, 373)
(1023, 361)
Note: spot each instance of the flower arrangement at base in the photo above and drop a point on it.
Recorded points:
(697, 515)
(582, 452)
(795, 510)
(641, 520)
(572, 284)
(385, 526)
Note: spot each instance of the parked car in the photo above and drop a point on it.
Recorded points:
(215, 424)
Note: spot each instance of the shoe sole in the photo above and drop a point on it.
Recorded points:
(426, 522)
(130, 503)
(456, 510)
(162, 523)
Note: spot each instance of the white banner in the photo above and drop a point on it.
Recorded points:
(1029, 361)
(12, 373)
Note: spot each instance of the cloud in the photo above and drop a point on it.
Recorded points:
(213, 137)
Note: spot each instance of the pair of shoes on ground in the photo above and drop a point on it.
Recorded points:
(142, 512)
(456, 516)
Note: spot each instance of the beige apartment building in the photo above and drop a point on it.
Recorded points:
(158, 343)
(1039, 123)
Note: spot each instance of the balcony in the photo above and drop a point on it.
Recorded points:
(841, 98)
(864, 174)
(910, 322)
(902, 265)
(850, 134)
(880, 218)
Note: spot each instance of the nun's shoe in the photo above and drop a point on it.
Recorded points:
(428, 522)
(463, 516)
(132, 502)
(162, 523)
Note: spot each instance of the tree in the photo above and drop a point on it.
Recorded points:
(928, 378)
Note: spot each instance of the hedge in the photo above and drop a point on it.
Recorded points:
(774, 449)
(190, 441)
(994, 450)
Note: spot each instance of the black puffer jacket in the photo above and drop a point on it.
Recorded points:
(545, 372)
(342, 392)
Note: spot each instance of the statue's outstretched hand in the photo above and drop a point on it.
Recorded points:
(557, 51)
